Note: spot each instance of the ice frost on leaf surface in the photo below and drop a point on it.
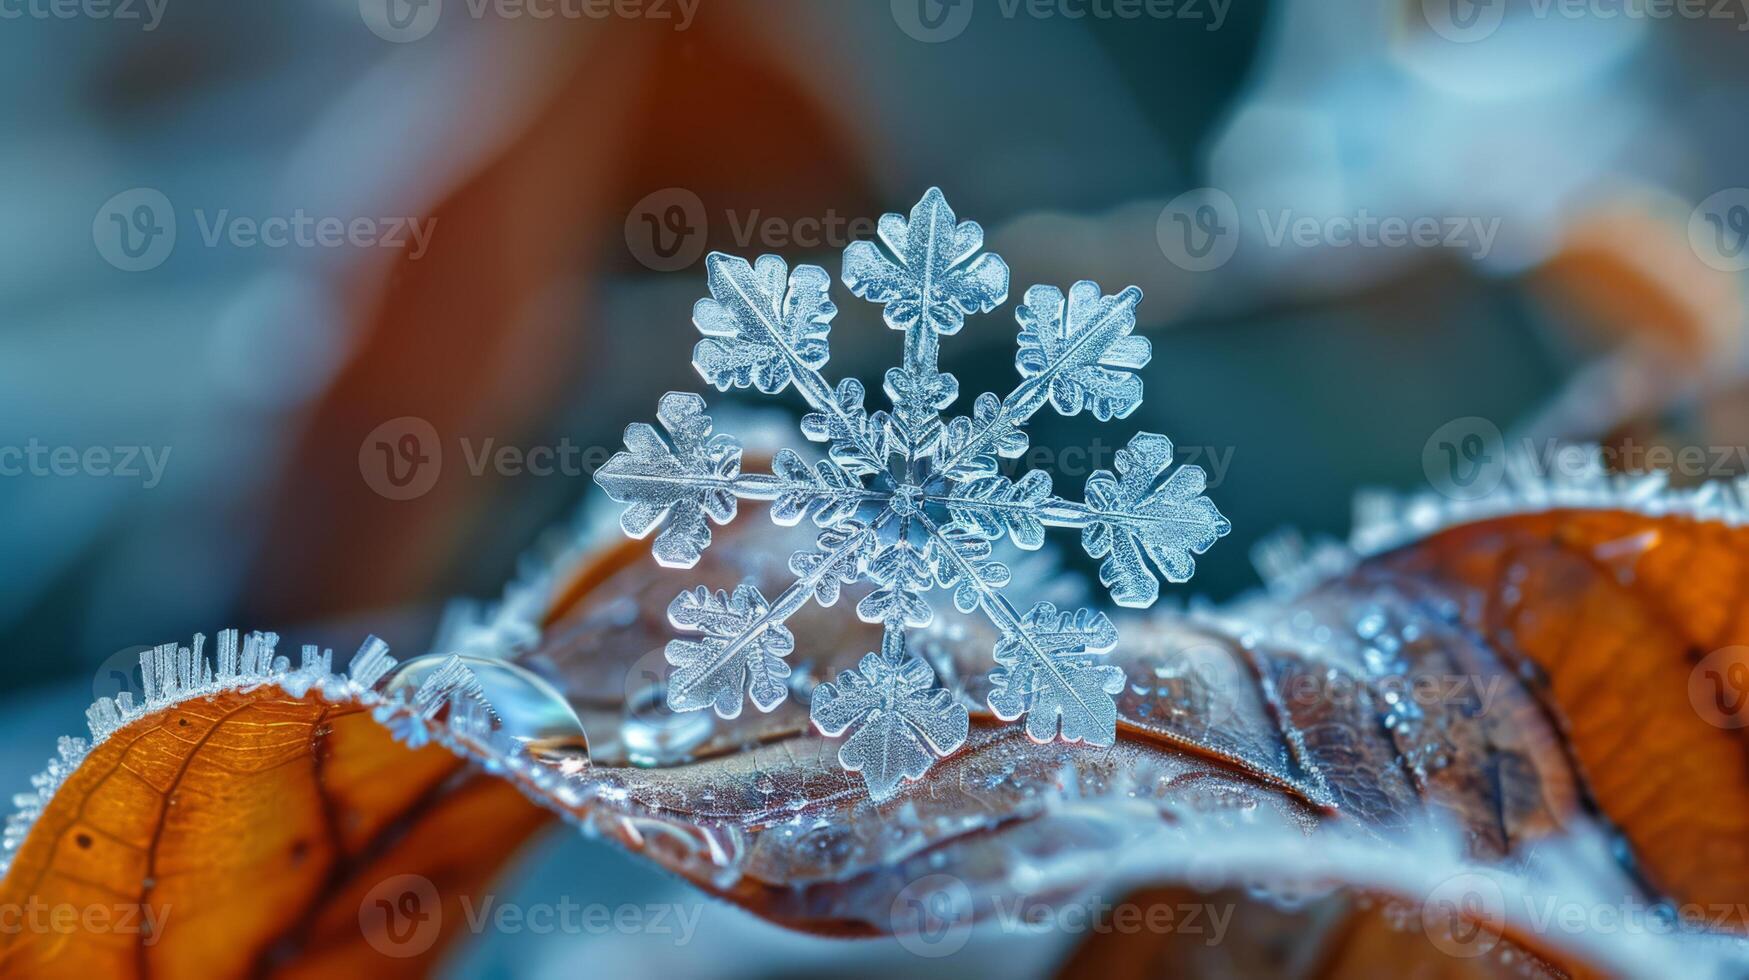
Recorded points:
(903, 720)
(742, 650)
(907, 500)
(1131, 517)
(1050, 674)
(676, 488)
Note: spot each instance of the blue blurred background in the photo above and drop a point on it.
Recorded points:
(244, 244)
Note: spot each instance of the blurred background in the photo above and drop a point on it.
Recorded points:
(316, 314)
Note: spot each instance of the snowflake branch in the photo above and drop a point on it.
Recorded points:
(1103, 336)
(1006, 618)
(705, 678)
(808, 380)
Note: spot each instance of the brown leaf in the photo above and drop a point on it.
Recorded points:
(1488, 704)
(238, 825)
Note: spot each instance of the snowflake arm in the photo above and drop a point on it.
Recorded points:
(678, 488)
(1048, 670)
(933, 274)
(1126, 517)
(904, 721)
(768, 331)
(743, 639)
(1077, 353)
(1050, 674)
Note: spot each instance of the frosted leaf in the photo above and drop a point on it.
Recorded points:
(1132, 517)
(1081, 350)
(742, 650)
(1049, 673)
(934, 276)
(904, 722)
(905, 500)
(674, 488)
(762, 324)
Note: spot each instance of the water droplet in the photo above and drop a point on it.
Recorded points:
(524, 707)
(655, 735)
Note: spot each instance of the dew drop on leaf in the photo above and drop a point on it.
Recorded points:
(523, 706)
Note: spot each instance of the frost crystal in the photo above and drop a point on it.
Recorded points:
(908, 501)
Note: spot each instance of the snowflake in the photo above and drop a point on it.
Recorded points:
(908, 501)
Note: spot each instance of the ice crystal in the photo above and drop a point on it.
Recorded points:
(906, 500)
